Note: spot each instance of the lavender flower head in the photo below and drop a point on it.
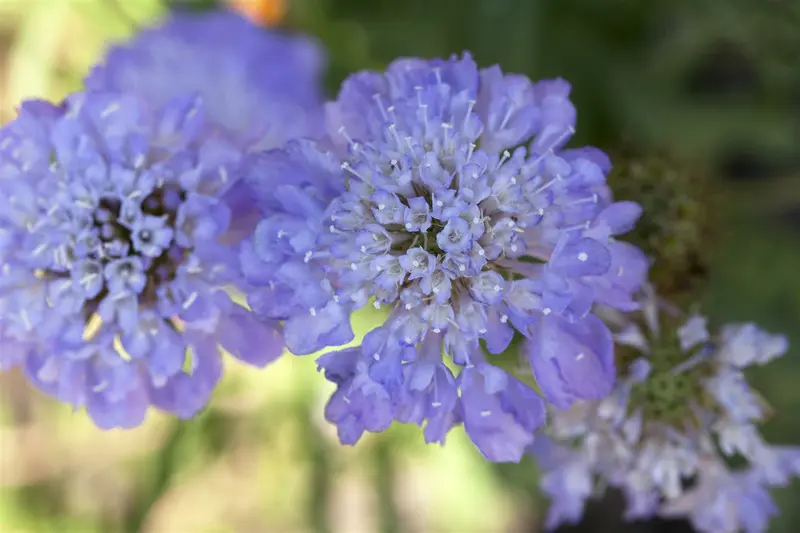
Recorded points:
(115, 252)
(260, 87)
(680, 415)
(443, 195)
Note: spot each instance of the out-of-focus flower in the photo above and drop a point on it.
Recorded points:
(443, 193)
(666, 436)
(115, 250)
(260, 87)
(265, 12)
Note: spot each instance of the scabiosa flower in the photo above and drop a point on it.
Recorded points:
(260, 86)
(668, 436)
(115, 253)
(443, 195)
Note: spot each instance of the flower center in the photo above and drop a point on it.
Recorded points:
(672, 394)
(126, 247)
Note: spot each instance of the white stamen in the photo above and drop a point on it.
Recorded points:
(190, 300)
(381, 207)
(312, 311)
(504, 319)
(379, 102)
(376, 304)
(408, 307)
(353, 266)
(583, 256)
(26, 321)
(110, 109)
(506, 155)
(462, 268)
(437, 330)
(496, 288)
(376, 356)
(481, 252)
(308, 256)
(546, 311)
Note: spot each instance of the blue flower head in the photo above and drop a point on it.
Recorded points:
(669, 434)
(115, 249)
(443, 194)
(260, 87)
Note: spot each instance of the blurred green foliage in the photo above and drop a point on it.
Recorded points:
(674, 89)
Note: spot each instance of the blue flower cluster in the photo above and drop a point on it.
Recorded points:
(443, 193)
(259, 88)
(121, 213)
(200, 160)
(668, 432)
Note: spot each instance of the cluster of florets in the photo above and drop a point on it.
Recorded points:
(114, 220)
(416, 204)
(259, 87)
(121, 212)
(669, 431)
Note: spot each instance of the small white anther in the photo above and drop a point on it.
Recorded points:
(376, 304)
(353, 266)
(439, 203)
(307, 257)
(504, 319)
(363, 248)
(481, 252)
(409, 225)
(437, 330)
(547, 311)
(376, 356)
(583, 256)
(496, 288)
(462, 268)
(513, 247)
(408, 307)
(381, 207)
(312, 311)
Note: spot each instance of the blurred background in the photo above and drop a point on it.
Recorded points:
(698, 101)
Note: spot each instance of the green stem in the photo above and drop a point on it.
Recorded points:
(164, 468)
(384, 482)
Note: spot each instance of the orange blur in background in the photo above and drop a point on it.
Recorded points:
(265, 12)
